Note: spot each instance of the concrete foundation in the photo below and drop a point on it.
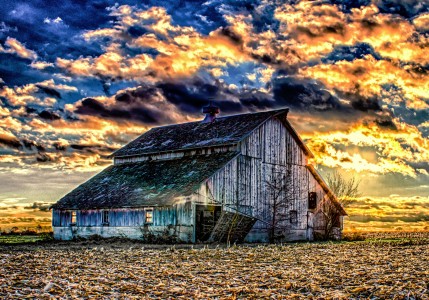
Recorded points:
(262, 236)
(183, 233)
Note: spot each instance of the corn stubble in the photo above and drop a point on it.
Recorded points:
(375, 270)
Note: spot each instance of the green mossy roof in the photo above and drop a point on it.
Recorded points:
(149, 183)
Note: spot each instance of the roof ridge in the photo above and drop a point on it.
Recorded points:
(223, 117)
(225, 130)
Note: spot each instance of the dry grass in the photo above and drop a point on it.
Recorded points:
(376, 270)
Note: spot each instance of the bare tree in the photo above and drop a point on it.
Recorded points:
(280, 192)
(345, 191)
(274, 213)
(331, 218)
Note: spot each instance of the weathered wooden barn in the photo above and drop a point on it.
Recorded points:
(240, 177)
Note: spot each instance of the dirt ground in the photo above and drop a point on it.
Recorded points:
(373, 269)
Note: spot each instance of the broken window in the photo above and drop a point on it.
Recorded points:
(312, 200)
(293, 217)
(105, 217)
(73, 218)
(149, 216)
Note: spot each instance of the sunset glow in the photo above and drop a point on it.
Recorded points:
(79, 81)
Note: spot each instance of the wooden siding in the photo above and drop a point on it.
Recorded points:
(61, 218)
(178, 215)
(273, 143)
(242, 184)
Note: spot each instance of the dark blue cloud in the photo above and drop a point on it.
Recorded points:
(50, 39)
(190, 96)
(304, 94)
(404, 8)
(205, 16)
(263, 19)
(16, 71)
(350, 53)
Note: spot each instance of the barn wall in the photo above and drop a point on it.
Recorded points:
(269, 154)
(175, 220)
(61, 218)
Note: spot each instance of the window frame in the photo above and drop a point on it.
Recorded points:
(148, 214)
(312, 200)
(293, 217)
(105, 215)
(73, 218)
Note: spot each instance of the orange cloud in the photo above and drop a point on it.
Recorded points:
(422, 22)
(394, 150)
(26, 94)
(110, 64)
(314, 30)
(367, 76)
(15, 47)
(388, 213)
(182, 50)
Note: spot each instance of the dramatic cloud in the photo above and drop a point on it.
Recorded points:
(80, 82)
(396, 150)
(7, 139)
(422, 22)
(169, 50)
(13, 46)
(315, 29)
(42, 206)
(370, 77)
(41, 93)
(389, 213)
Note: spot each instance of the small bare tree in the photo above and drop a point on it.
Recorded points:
(279, 191)
(331, 218)
(345, 191)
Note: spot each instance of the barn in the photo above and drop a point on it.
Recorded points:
(234, 178)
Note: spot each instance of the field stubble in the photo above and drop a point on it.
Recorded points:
(373, 269)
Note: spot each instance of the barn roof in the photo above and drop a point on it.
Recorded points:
(148, 183)
(227, 130)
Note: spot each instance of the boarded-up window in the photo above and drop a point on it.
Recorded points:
(149, 216)
(105, 217)
(293, 217)
(312, 200)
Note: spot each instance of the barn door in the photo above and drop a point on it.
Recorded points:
(206, 218)
(232, 227)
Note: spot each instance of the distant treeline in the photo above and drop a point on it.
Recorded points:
(26, 230)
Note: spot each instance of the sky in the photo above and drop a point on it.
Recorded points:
(80, 79)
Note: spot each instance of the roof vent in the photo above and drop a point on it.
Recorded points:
(211, 111)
